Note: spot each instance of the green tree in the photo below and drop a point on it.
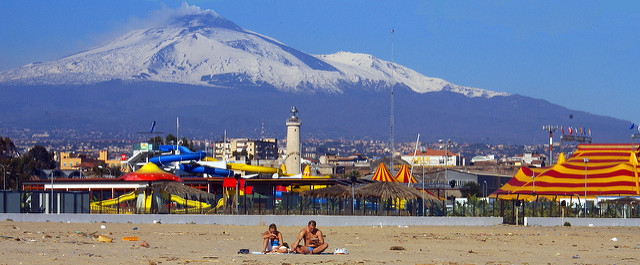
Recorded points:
(471, 189)
(352, 173)
(42, 158)
(156, 140)
(170, 139)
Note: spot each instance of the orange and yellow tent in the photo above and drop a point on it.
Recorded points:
(610, 170)
(382, 174)
(404, 175)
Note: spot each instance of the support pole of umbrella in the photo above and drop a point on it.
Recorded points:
(237, 176)
(353, 202)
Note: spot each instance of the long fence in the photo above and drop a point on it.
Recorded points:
(512, 212)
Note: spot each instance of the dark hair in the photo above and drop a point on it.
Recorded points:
(273, 226)
(312, 222)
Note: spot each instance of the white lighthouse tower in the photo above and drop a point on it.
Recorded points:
(292, 160)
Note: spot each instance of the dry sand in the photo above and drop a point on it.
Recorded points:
(73, 243)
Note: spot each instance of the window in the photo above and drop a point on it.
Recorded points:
(64, 164)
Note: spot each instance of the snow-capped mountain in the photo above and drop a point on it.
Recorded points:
(204, 49)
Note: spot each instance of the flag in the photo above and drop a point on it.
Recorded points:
(581, 131)
(393, 30)
(632, 125)
(153, 125)
(562, 129)
(570, 130)
(589, 131)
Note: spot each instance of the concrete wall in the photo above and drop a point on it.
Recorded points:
(558, 221)
(281, 220)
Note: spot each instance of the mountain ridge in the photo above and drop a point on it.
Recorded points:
(206, 49)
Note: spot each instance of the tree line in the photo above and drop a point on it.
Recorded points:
(21, 167)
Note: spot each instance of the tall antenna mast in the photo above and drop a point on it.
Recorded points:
(392, 105)
(177, 133)
(262, 130)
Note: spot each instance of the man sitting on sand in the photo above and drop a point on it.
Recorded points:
(272, 240)
(313, 239)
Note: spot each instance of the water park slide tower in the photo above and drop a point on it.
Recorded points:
(292, 160)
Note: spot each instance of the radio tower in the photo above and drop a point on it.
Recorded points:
(262, 130)
(392, 107)
(550, 129)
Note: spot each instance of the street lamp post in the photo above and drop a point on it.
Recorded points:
(446, 157)
(423, 208)
(51, 199)
(586, 160)
(484, 191)
(533, 177)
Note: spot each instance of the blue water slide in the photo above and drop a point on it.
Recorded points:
(208, 170)
(187, 155)
(183, 149)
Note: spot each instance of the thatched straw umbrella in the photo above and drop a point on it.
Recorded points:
(389, 190)
(335, 191)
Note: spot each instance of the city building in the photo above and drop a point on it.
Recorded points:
(434, 158)
(246, 149)
(72, 161)
(526, 159)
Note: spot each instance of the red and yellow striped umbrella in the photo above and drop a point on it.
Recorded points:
(404, 175)
(382, 174)
(611, 170)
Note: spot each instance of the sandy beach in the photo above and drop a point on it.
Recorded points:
(75, 243)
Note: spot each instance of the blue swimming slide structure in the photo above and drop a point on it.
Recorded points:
(188, 155)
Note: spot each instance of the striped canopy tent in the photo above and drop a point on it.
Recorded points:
(404, 175)
(611, 170)
(150, 172)
(382, 174)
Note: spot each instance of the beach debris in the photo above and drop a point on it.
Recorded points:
(144, 244)
(130, 238)
(243, 251)
(103, 227)
(157, 222)
(616, 246)
(472, 252)
(590, 225)
(210, 257)
(104, 239)
(615, 239)
(152, 263)
(135, 228)
(576, 257)
(396, 248)
(341, 251)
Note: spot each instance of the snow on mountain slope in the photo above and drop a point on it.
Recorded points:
(203, 48)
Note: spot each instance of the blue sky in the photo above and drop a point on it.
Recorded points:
(584, 55)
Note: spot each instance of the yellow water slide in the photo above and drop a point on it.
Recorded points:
(124, 197)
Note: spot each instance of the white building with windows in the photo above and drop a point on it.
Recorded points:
(434, 158)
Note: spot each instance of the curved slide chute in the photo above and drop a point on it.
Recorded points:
(208, 170)
(186, 155)
(124, 197)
